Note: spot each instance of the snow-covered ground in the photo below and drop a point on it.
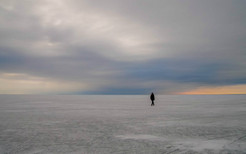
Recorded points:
(122, 124)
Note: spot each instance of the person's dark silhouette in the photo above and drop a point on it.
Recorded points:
(152, 98)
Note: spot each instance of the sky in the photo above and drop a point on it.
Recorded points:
(122, 47)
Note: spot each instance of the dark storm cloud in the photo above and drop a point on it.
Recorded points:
(185, 72)
(117, 91)
(126, 47)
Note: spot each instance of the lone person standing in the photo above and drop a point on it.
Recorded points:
(152, 98)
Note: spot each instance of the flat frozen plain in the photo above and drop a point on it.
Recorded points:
(122, 124)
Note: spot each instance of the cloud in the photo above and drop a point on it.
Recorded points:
(12, 83)
(211, 90)
(128, 47)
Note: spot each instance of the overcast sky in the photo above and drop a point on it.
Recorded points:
(122, 46)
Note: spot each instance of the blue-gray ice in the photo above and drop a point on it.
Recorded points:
(122, 124)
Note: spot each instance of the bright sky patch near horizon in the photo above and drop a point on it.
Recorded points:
(122, 47)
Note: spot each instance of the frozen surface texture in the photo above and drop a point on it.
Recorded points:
(122, 124)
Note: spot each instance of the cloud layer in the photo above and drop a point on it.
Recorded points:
(121, 47)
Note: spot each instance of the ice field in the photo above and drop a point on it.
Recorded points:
(122, 124)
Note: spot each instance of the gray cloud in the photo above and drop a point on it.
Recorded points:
(128, 47)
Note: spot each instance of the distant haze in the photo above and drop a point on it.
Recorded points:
(123, 47)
